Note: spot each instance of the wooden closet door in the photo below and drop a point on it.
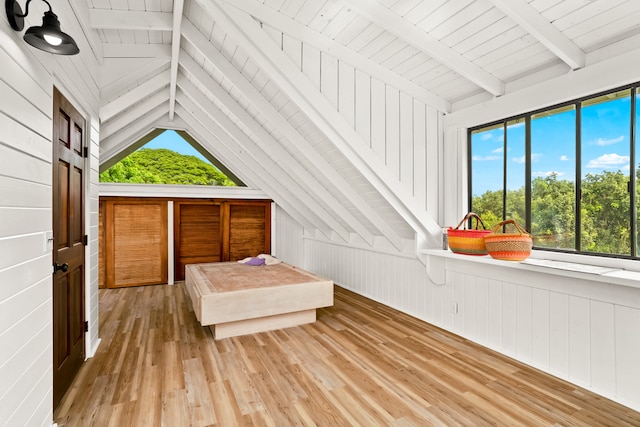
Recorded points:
(136, 243)
(197, 234)
(248, 229)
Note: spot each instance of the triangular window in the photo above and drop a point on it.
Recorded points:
(168, 157)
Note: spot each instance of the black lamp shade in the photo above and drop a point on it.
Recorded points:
(48, 37)
(50, 29)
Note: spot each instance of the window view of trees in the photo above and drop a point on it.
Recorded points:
(163, 166)
(564, 173)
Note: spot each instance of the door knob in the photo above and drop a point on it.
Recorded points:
(64, 267)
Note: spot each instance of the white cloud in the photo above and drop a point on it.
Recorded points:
(604, 142)
(498, 150)
(535, 157)
(564, 158)
(485, 158)
(607, 161)
(520, 160)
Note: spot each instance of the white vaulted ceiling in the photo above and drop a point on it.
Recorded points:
(287, 93)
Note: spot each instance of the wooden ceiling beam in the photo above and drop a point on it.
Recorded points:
(305, 34)
(122, 121)
(120, 104)
(264, 106)
(545, 32)
(275, 150)
(178, 8)
(119, 74)
(251, 38)
(112, 148)
(398, 26)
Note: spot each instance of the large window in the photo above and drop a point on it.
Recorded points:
(565, 173)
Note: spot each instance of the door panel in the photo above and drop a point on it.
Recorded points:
(196, 234)
(68, 234)
(248, 226)
(136, 243)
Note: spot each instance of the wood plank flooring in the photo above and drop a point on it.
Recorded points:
(360, 364)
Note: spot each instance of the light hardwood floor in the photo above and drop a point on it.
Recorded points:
(360, 364)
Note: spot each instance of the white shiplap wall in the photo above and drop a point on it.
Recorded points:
(400, 129)
(27, 78)
(582, 331)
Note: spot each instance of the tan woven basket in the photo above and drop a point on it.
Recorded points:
(509, 246)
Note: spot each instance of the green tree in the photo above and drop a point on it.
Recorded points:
(605, 213)
(162, 166)
(553, 212)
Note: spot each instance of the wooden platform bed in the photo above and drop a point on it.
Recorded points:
(237, 299)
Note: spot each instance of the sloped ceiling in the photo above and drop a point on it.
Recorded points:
(223, 72)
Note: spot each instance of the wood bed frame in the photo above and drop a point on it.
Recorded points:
(237, 299)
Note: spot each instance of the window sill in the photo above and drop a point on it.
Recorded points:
(539, 262)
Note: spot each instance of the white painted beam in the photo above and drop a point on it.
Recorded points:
(111, 147)
(178, 7)
(125, 101)
(307, 35)
(398, 26)
(297, 86)
(545, 32)
(291, 133)
(134, 114)
(274, 150)
(108, 19)
(116, 75)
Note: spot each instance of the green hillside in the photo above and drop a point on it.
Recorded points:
(162, 166)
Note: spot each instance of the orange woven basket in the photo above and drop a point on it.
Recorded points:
(509, 246)
(466, 241)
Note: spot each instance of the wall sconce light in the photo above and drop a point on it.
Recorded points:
(48, 37)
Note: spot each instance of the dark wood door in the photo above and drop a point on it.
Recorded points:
(68, 253)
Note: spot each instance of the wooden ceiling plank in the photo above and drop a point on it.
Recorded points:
(275, 150)
(405, 30)
(108, 19)
(544, 31)
(242, 83)
(283, 72)
(319, 41)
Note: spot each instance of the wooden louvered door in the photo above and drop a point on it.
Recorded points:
(196, 234)
(68, 253)
(247, 229)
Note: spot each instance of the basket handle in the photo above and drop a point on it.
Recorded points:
(509, 221)
(467, 217)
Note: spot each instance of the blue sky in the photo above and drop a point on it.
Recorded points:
(605, 146)
(171, 140)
